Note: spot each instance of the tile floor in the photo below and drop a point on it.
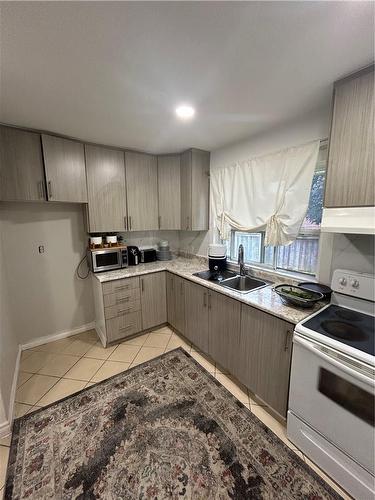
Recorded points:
(56, 370)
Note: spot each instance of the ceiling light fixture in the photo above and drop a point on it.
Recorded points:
(185, 112)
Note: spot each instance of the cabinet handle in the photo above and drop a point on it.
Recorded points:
(40, 190)
(125, 328)
(142, 286)
(130, 223)
(187, 223)
(204, 299)
(172, 283)
(286, 346)
(49, 189)
(124, 287)
(125, 222)
(159, 221)
(209, 300)
(121, 301)
(125, 310)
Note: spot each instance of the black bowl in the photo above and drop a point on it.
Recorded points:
(306, 298)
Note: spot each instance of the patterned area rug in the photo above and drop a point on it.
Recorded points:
(164, 429)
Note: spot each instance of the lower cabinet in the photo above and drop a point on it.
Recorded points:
(224, 329)
(196, 315)
(264, 354)
(176, 302)
(153, 299)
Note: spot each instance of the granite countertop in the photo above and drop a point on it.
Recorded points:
(265, 298)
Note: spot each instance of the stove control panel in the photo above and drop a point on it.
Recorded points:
(355, 284)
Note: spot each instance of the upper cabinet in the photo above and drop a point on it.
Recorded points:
(64, 161)
(21, 166)
(195, 178)
(142, 191)
(106, 189)
(351, 169)
(169, 192)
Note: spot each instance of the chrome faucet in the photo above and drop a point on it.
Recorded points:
(240, 261)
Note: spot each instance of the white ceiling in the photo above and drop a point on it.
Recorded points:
(113, 72)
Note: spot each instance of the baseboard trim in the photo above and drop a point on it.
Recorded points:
(4, 428)
(57, 336)
(100, 334)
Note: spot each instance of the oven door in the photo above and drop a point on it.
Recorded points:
(335, 396)
(106, 260)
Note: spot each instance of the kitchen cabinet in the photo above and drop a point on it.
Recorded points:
(21, 166)
(195, 173)
(169, 192)
(176, 302)
(264, 354)
(196, 315)
(351, 169)
(142, 191)
(153, 299)
(106, 189)
(224, 330)
(64, 162)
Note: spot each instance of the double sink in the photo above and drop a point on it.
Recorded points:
(233, 281)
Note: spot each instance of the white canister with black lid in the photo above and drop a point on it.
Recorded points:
(217, 257)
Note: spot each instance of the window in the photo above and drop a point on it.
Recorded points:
(302, 255)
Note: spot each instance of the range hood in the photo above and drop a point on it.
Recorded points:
(356, 220)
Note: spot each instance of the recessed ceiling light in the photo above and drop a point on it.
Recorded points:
(185, 111)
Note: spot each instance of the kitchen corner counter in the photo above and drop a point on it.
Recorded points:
(265, 299)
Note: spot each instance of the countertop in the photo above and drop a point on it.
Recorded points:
(265, 299)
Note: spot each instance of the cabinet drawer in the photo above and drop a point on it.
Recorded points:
(121, 297)
(118, 285)
(123, 308)
(123, 326)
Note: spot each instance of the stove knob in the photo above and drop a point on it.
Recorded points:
(342, 281)
(355, 284)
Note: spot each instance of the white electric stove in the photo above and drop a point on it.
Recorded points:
(332, 386)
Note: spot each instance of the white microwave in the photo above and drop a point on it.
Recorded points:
(107, 259)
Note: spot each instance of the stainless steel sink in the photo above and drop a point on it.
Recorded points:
(216, 277)
(243, 284)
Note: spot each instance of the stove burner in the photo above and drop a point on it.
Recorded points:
(343, 330)
(348, 315)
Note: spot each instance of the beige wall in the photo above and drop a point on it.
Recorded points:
(45, 295)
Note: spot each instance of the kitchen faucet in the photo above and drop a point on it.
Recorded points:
(240, 261)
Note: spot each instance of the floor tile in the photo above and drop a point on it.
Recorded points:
(20, 409)
(163, 329)
(207, 363)
(157, 340)
(125, 353)
(147, 353)
(328, 480)
(229, 383)
(97, 351)
(175, 341)
(33, 363)
(57, 346)
(57, 365)
(79, 347)
(63, 388)
(5, 441)
(108, 369)
(32, 390)
(4, 454)
(22, 378)
(137, 340)
(84, 369)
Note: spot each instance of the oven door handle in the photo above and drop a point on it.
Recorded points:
(334, 361)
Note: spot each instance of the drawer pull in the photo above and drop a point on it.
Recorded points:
(286, 346)
(124, 287)
(121, 301)
(125, 310)
(125, 328)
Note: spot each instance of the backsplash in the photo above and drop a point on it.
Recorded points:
(354, 252)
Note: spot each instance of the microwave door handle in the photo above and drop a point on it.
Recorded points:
(333, 361)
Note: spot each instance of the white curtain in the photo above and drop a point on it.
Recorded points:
(268, 193)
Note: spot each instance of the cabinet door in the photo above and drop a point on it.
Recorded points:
(351, 168)
(196, 315)
(21, 166)
(64, 162)
(106, 189)
(169, 192)
(153, 299)
(200, 175)
(264, 357)
(142, 191)
(224, 329)
(186, 190)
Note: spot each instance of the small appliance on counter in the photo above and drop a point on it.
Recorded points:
(107, 259)
(134, 256)
(147, 255)
(164, 253)
(96, 242)
(217, 257)
(111, 240)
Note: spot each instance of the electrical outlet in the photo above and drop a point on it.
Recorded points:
(41, 248)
